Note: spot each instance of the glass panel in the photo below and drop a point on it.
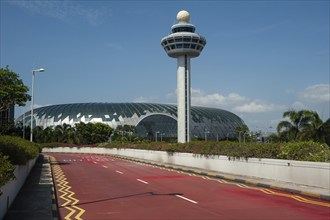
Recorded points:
(186, 39)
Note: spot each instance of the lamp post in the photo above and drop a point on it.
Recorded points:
(32, 100)
(206, 132)
(161, 136)
(157, 134)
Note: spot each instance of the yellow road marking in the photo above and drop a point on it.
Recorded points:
(270, 192)
(66, 194)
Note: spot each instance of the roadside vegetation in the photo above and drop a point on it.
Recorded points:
(304, 151)
(14, 151)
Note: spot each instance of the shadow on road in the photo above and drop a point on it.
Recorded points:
(126, 196)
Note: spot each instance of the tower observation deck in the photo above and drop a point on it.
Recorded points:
(183, 43)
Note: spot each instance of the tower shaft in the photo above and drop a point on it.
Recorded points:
(183, 43)
(183, 98)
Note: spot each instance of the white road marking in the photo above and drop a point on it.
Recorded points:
(142, 181)
(189, 200)
(119, 172)
(104, 166)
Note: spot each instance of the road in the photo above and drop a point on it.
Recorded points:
(105, 187)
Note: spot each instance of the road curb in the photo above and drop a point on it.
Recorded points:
(231, 178)
(53, 193)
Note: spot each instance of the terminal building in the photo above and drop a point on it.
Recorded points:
(148, 118)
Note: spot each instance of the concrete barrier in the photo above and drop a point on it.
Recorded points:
(11, 189)
(313, 174)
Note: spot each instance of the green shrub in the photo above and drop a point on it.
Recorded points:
(6, 171)
(306, 151)
(18, 150)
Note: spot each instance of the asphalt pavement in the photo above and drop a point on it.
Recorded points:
(36, 200)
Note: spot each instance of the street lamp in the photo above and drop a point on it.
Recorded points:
(158, 132)
(161, 136)
(206, 132)
(32, 101)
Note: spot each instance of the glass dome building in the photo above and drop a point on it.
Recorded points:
(148, 118)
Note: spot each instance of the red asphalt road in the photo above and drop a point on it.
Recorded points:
(111, 188)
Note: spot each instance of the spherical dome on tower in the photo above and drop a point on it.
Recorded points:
(183, 16)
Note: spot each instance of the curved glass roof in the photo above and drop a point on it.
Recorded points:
(213, 122)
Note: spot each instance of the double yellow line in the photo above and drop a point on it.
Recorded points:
(66, 194)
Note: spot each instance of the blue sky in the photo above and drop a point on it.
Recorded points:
(261, 57)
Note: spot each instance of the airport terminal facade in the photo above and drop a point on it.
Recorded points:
(148, 118)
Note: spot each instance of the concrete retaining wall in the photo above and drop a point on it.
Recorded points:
(11, 189)
(298, 172)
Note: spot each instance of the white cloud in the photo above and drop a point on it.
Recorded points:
(255, 107)
(66, 11)
(298, 105)
(232, 102)
(142, 99)
(315, 94)
(199, 97)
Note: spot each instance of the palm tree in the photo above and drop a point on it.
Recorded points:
(290, 129)
(315, 129)
(242, 130)
(58, 133)
(38, 134)
(303, 125)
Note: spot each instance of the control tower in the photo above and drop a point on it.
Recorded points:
(183, 43)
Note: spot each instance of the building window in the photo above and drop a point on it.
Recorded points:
(186, 39)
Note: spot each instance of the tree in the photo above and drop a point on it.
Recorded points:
(289, 130)
(304, 125)
(12, 90)
(242, 130)
(315, 129)
(91, 133)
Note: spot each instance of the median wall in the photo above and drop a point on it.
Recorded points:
(11, 189)
(314, 174)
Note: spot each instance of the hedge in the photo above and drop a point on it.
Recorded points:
(6, 171)
(303, 151)
(18, 150)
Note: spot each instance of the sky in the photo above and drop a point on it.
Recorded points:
(261, 59)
